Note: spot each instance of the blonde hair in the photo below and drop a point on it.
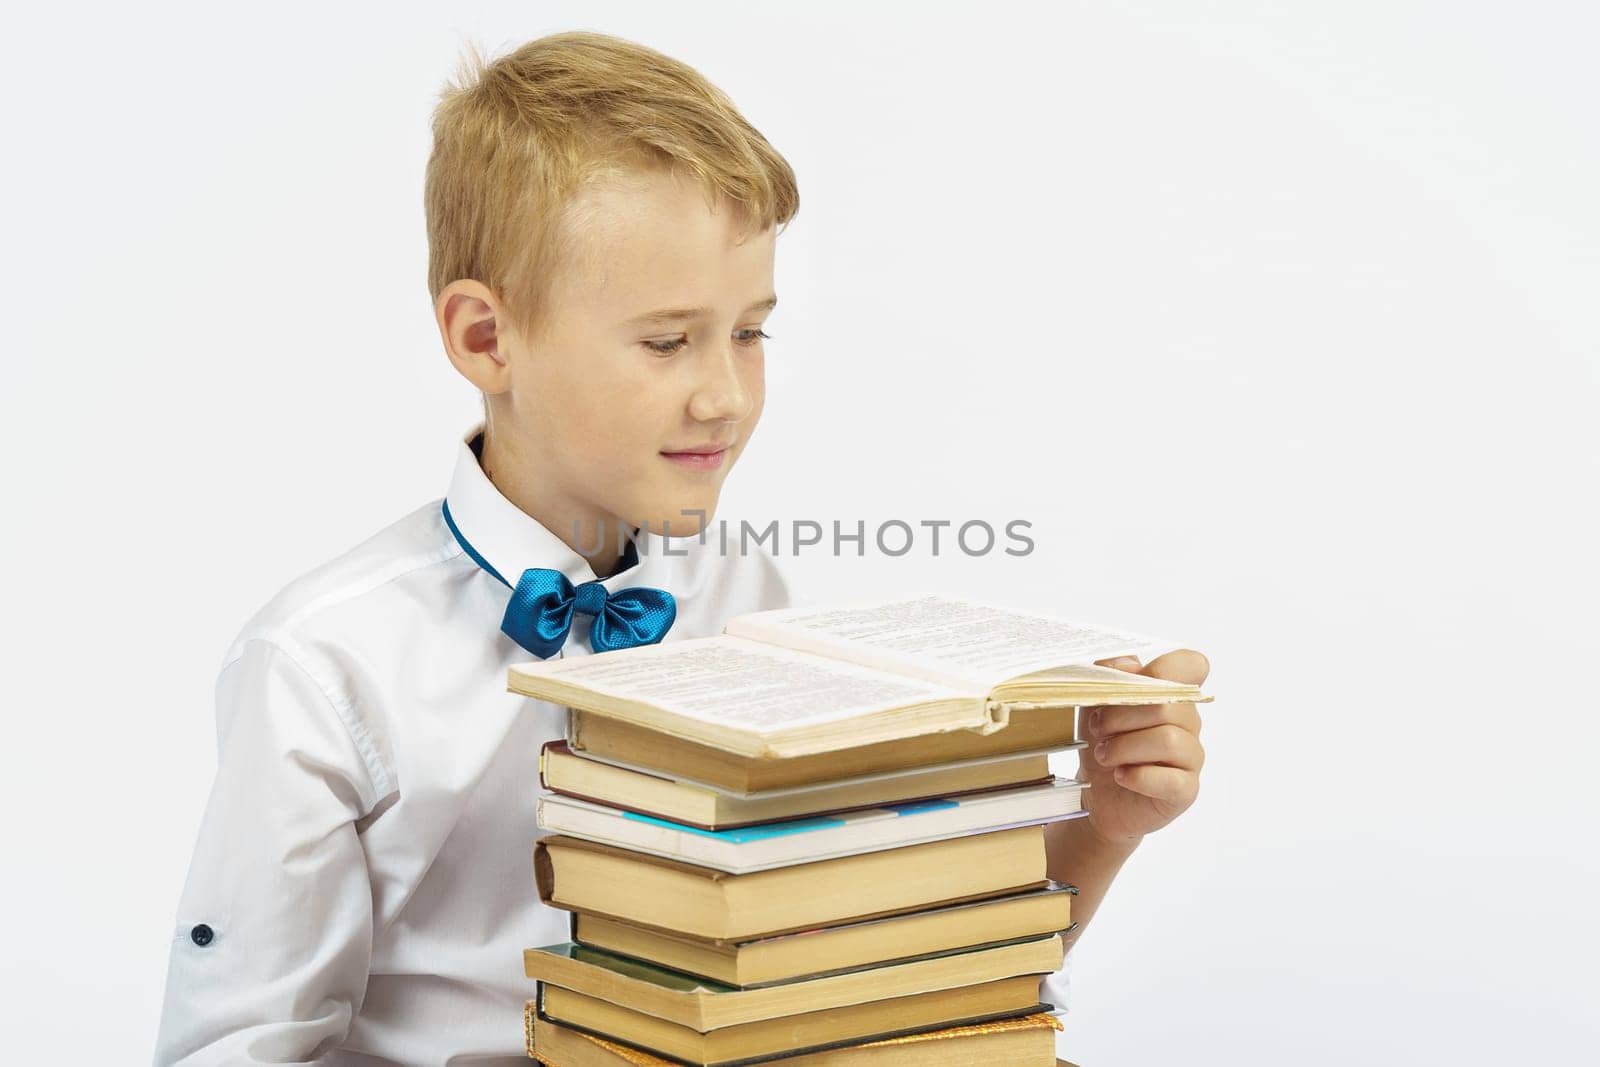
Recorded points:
(516, 139)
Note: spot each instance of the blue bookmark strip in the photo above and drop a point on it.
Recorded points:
(742, 834)
(917, 806)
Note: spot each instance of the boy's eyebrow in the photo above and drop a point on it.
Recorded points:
(650, 318)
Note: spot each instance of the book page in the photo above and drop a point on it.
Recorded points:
(742, 685)
(952, 642)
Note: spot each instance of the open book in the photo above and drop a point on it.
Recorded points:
(802, 681)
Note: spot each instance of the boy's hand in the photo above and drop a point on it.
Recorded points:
(1143, 761)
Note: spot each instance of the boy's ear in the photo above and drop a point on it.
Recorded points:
(469, 325)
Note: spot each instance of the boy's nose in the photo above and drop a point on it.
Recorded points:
(722, 393)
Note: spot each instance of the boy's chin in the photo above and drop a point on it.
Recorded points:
(679, 517)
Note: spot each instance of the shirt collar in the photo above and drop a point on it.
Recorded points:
(511, 540)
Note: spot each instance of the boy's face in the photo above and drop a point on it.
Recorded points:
(612, 415)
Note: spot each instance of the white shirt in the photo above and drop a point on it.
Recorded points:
(362, 888)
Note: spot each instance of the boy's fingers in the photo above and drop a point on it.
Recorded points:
(1167, 784)
(1169, 745)
(1179, 665)
(1109, 719)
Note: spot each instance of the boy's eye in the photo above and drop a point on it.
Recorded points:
(672, 345)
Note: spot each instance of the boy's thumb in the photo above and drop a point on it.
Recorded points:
(1180, 665)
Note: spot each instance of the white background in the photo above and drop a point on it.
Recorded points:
(1277, 320)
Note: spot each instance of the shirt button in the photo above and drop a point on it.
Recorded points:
(201, 935)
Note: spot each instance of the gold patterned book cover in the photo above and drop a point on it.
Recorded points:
(1026, 1041)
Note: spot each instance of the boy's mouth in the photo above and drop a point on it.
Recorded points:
(698, 458)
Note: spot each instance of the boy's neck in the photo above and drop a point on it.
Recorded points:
(594, 537)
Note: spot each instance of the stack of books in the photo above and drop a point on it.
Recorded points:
(817, 839)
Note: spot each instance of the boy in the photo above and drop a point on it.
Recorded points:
(601, 226)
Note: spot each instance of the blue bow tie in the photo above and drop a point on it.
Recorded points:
(543, 603)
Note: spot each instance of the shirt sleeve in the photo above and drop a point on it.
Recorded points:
(1055, 987)
(270, 954)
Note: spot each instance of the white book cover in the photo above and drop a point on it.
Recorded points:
(831, 785)
(792, 841)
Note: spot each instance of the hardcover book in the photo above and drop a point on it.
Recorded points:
(811, 953)
(1025, 1041)
(781, 844)
(677, 897)
(618, 741)
(735, 1046)
(705, 1006)
(651, 793)
(798, 682)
